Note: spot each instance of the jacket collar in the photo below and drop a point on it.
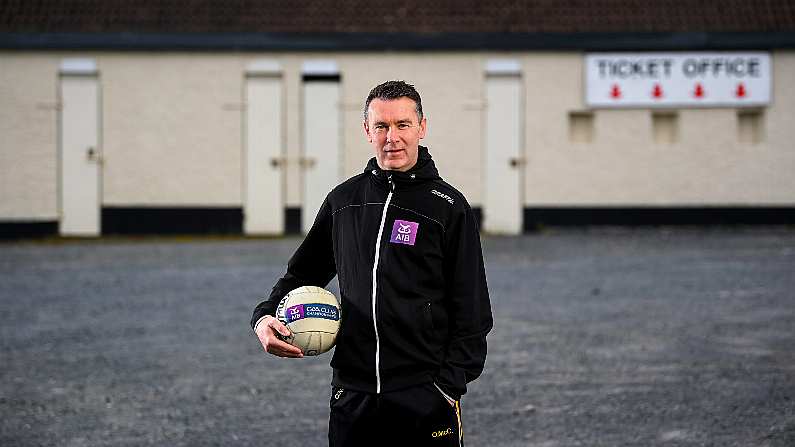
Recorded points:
(424, 170)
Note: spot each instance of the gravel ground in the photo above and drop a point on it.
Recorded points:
(604, 337)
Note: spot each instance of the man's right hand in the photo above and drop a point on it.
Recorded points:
(266, 331)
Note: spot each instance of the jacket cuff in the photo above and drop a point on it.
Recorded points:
(442, 380)
(447, 395)
(259, 313)
(260, 320)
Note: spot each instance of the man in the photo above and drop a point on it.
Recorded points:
(414, 302)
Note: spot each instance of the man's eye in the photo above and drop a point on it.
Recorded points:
(403, 126)
(380, 126)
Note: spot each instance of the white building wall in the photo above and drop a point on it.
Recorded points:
(172, 135)
(28, 137)
(172, 129)
(624, 166)
(451, 86)
(776, 175)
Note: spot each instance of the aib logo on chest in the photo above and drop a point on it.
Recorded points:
(404, 232)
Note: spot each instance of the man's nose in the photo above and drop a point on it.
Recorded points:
(391, 134)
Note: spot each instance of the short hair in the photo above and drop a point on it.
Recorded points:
(390, 90)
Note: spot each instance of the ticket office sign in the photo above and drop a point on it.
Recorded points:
(698, 79)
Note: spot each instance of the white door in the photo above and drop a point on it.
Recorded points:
(502, 208)
(322, 126)
(263, 206)
(80, 148)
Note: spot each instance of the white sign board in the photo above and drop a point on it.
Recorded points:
(721, 79)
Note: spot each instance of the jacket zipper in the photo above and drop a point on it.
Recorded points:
(375, 284)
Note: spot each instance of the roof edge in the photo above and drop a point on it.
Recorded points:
(624, 41)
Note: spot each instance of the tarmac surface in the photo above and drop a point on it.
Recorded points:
(607, 337)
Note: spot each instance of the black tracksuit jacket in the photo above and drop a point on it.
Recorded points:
(416, 264)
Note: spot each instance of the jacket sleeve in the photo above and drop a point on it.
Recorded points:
(312, 264)
(469, 308)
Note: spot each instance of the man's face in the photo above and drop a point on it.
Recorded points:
(394, 130)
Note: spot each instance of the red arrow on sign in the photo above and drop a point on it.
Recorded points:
(699, 91)
(615, 92)
(740, 92)
(657, 92)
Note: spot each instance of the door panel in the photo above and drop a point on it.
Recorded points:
(504, 161)
(321, 162)
(264, 163)
(81, 155)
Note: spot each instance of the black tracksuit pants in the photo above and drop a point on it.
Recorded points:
(415, 417)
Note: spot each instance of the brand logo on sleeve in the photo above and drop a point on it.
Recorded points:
(404, 232)
(442, 195)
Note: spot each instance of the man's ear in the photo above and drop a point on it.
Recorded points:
(423, 127)
(367, 131)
